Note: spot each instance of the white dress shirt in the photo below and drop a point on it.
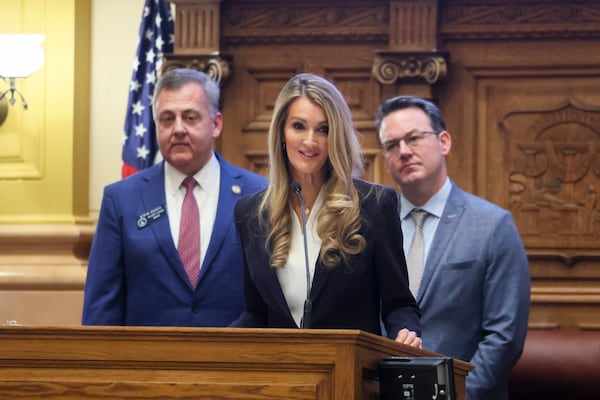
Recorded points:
(292, 277)
(206, 194)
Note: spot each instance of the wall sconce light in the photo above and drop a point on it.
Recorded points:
(20, 56)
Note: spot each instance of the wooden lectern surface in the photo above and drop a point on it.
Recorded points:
(195, 363)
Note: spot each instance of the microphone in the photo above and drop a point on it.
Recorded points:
(305, 323)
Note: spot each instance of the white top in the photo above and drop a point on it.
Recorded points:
(292, 276)
(207, 196)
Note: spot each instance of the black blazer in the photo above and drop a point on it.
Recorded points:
(349, 296)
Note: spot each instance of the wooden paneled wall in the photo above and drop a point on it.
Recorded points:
(523, 98)
(518, 83)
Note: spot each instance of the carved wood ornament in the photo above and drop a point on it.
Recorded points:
(197, 39)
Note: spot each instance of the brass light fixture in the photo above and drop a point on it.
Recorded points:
(20, 56)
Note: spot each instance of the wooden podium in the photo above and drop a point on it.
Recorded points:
(65, 363)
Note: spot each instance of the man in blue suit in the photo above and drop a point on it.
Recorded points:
(135, 273)
(473, 287)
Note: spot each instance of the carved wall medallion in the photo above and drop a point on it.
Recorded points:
(555, 176)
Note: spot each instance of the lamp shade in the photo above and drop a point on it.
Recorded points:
(20, 54)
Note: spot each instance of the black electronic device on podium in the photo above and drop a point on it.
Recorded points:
(416, 378)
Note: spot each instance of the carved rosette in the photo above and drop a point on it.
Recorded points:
(389, 67)
(218, 67)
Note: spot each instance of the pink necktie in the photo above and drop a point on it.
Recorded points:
(189, 232)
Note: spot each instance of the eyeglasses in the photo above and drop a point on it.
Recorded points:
(412, 140)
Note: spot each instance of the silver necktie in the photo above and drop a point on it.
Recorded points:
(416, 252)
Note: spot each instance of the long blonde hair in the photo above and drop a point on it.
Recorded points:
(338, 222)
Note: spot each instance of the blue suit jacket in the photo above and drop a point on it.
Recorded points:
(475, 292)
(135, 275)
(348, 296)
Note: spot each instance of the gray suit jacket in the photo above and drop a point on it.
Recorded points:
(475, 292)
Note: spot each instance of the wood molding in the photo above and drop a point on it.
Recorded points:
(499, 20)
(304, 22)
(197, 27)
(44, 256)
(258, 161)
(413, 25)
(42, 273)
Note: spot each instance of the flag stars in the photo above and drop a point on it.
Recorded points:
(148, 34)
(159, 43)
(142, 152)
(150, 56)
(137, 108)
(140, 130)
(151, 77)
(134, 86)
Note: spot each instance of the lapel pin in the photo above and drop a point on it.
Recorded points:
(236, 189)
(450, 218)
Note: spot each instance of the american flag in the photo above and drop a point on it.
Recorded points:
(156, 36)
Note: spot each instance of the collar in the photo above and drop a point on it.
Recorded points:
(434, 206)
(204, 177)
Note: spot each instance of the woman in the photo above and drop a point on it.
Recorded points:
(349, 268)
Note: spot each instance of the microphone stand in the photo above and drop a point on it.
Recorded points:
(306, 318)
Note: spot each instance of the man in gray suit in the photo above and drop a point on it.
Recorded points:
(473, 284)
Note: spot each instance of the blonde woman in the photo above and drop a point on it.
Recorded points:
(348, 270)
